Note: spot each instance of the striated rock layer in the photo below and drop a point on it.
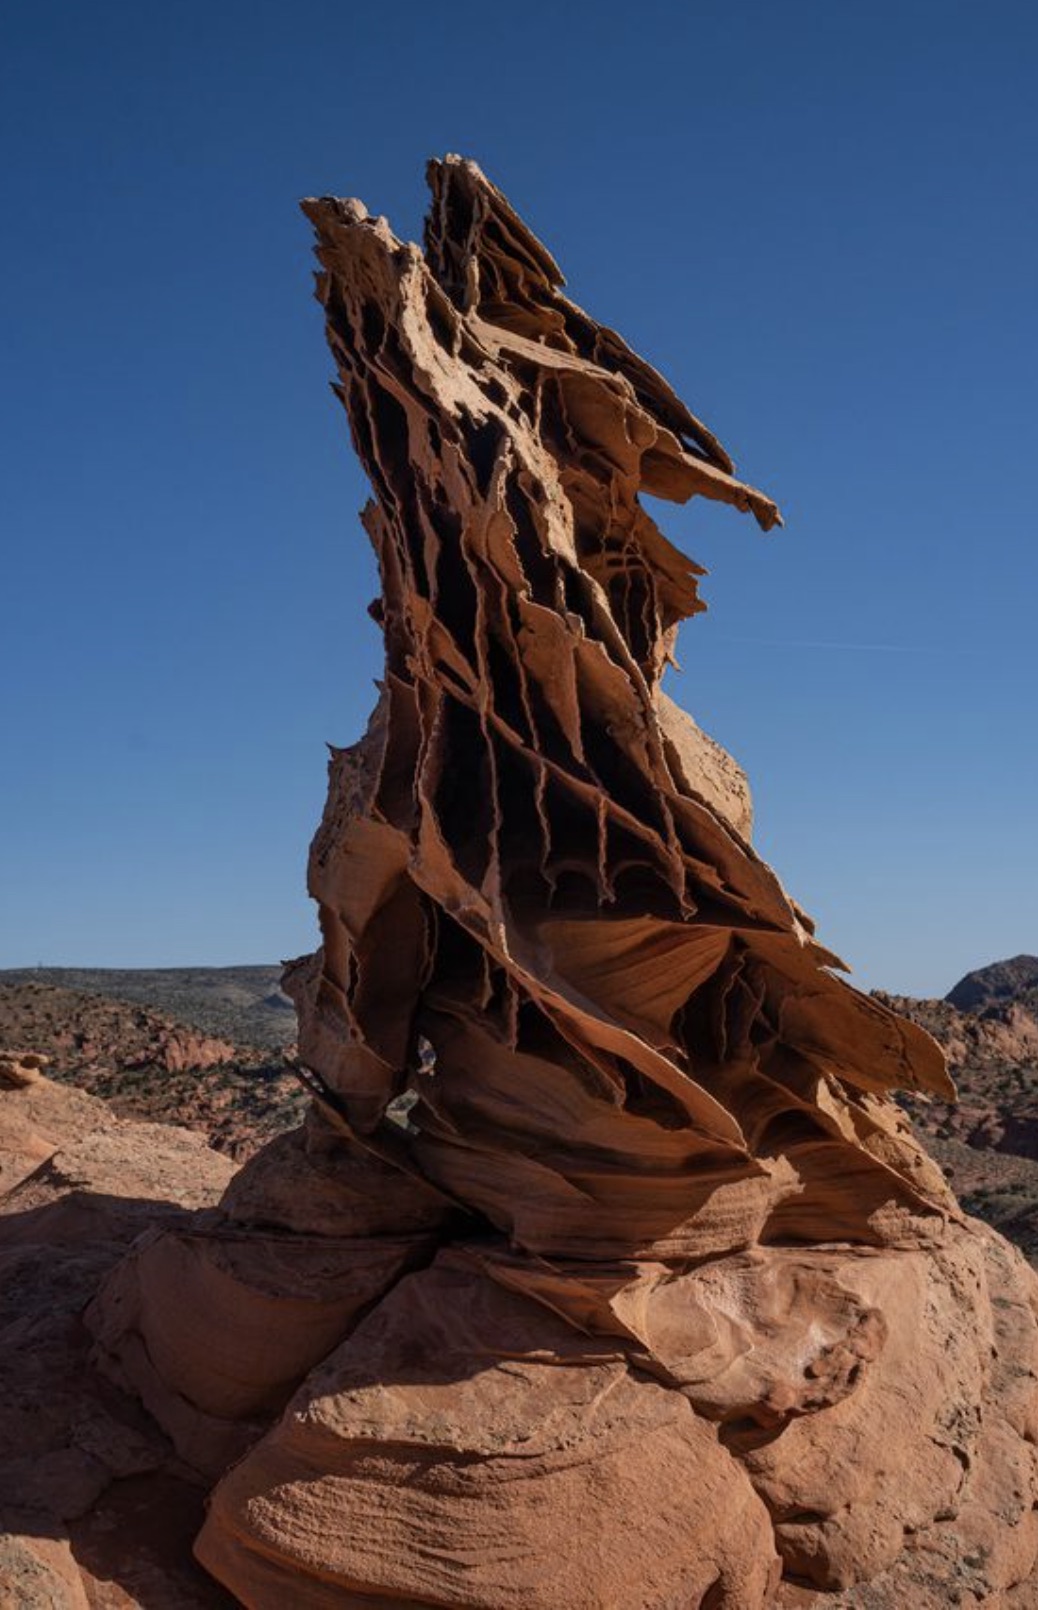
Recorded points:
(604, 1271)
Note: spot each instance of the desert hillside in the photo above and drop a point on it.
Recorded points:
(148, 1064)
(243, 1004)
(987, 1141)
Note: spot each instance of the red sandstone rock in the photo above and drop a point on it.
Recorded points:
(477, 1451)
(77, 1186)
(606, 1272)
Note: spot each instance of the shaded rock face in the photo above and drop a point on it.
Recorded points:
(94, 1507)
(604, 1271)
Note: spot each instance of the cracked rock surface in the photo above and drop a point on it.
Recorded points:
(604, 1271)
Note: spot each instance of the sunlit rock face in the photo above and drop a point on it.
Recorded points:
(534, 863)
(604, 1273)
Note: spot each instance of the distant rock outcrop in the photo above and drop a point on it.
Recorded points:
(1000, 983)
(1005, 1034)
(987, 1140)
(605, 1271)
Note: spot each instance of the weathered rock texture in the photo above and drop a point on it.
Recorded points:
(95, 1510)
(691, 1320)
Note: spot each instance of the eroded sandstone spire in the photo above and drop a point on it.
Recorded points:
(529, 865)
(580, 1064)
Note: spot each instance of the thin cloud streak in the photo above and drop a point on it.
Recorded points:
(866, 648)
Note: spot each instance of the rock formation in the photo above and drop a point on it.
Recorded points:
(604, 1272)
(95, 1510)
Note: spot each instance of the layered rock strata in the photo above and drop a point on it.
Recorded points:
(605, 1272)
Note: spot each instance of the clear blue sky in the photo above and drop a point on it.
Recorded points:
(817, 218)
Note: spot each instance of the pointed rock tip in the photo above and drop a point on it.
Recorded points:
(347, 209)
